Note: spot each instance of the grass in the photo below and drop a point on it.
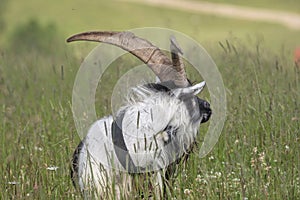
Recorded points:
(256, 156)
(256, 152)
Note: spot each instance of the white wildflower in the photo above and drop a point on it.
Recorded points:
(254, 150)
(236, 180)
(52, 168)
(267, 168)
(287, 147)
(13, 183)
(38, 148)
(211, 158)
(218, 174)
(198, 178)
(261, 157)
(187, 191)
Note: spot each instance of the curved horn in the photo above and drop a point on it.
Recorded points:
(177, 60)
(151, 55)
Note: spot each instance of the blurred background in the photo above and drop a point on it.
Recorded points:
(57, 20)
(255, 44)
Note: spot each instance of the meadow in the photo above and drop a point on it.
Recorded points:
(257, 155)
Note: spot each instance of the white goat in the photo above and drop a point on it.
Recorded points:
(148, 136)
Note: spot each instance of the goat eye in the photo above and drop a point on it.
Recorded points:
(168, 133)
(206, 104)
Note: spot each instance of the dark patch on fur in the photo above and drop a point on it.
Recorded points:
(171, 131)
(157, 87)
(205, 110)
(75, 164)
(120, 146)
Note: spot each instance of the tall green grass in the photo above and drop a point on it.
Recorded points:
(256, 156)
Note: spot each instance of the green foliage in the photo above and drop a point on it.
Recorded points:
(32, 37)
(80, 16)
(3, 5)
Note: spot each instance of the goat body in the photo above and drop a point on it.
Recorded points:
(157, 128)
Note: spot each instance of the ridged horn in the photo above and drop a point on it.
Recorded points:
(177, 60)
(151, 55)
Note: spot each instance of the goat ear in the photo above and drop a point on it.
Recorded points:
(196, 89)
(192, 90)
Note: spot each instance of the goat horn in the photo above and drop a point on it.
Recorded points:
(151, 55)
(177, 60)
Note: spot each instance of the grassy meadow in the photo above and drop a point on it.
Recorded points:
(257, 155)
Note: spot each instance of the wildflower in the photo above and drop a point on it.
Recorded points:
(204, 181)
(253, 162)
(236, 180)
(287, 147)
(267, 168)
(218, 174)
(198, 178)
(267, 185)
(13, 183)
(254, 150)
(187, 191)
(261, 157)
(52, 168)
(38, 148)
(213, 176)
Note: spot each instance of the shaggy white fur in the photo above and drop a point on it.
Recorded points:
(149, 145)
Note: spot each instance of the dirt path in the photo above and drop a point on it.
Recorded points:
(290, 20)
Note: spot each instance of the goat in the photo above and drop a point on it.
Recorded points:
(154, 131)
